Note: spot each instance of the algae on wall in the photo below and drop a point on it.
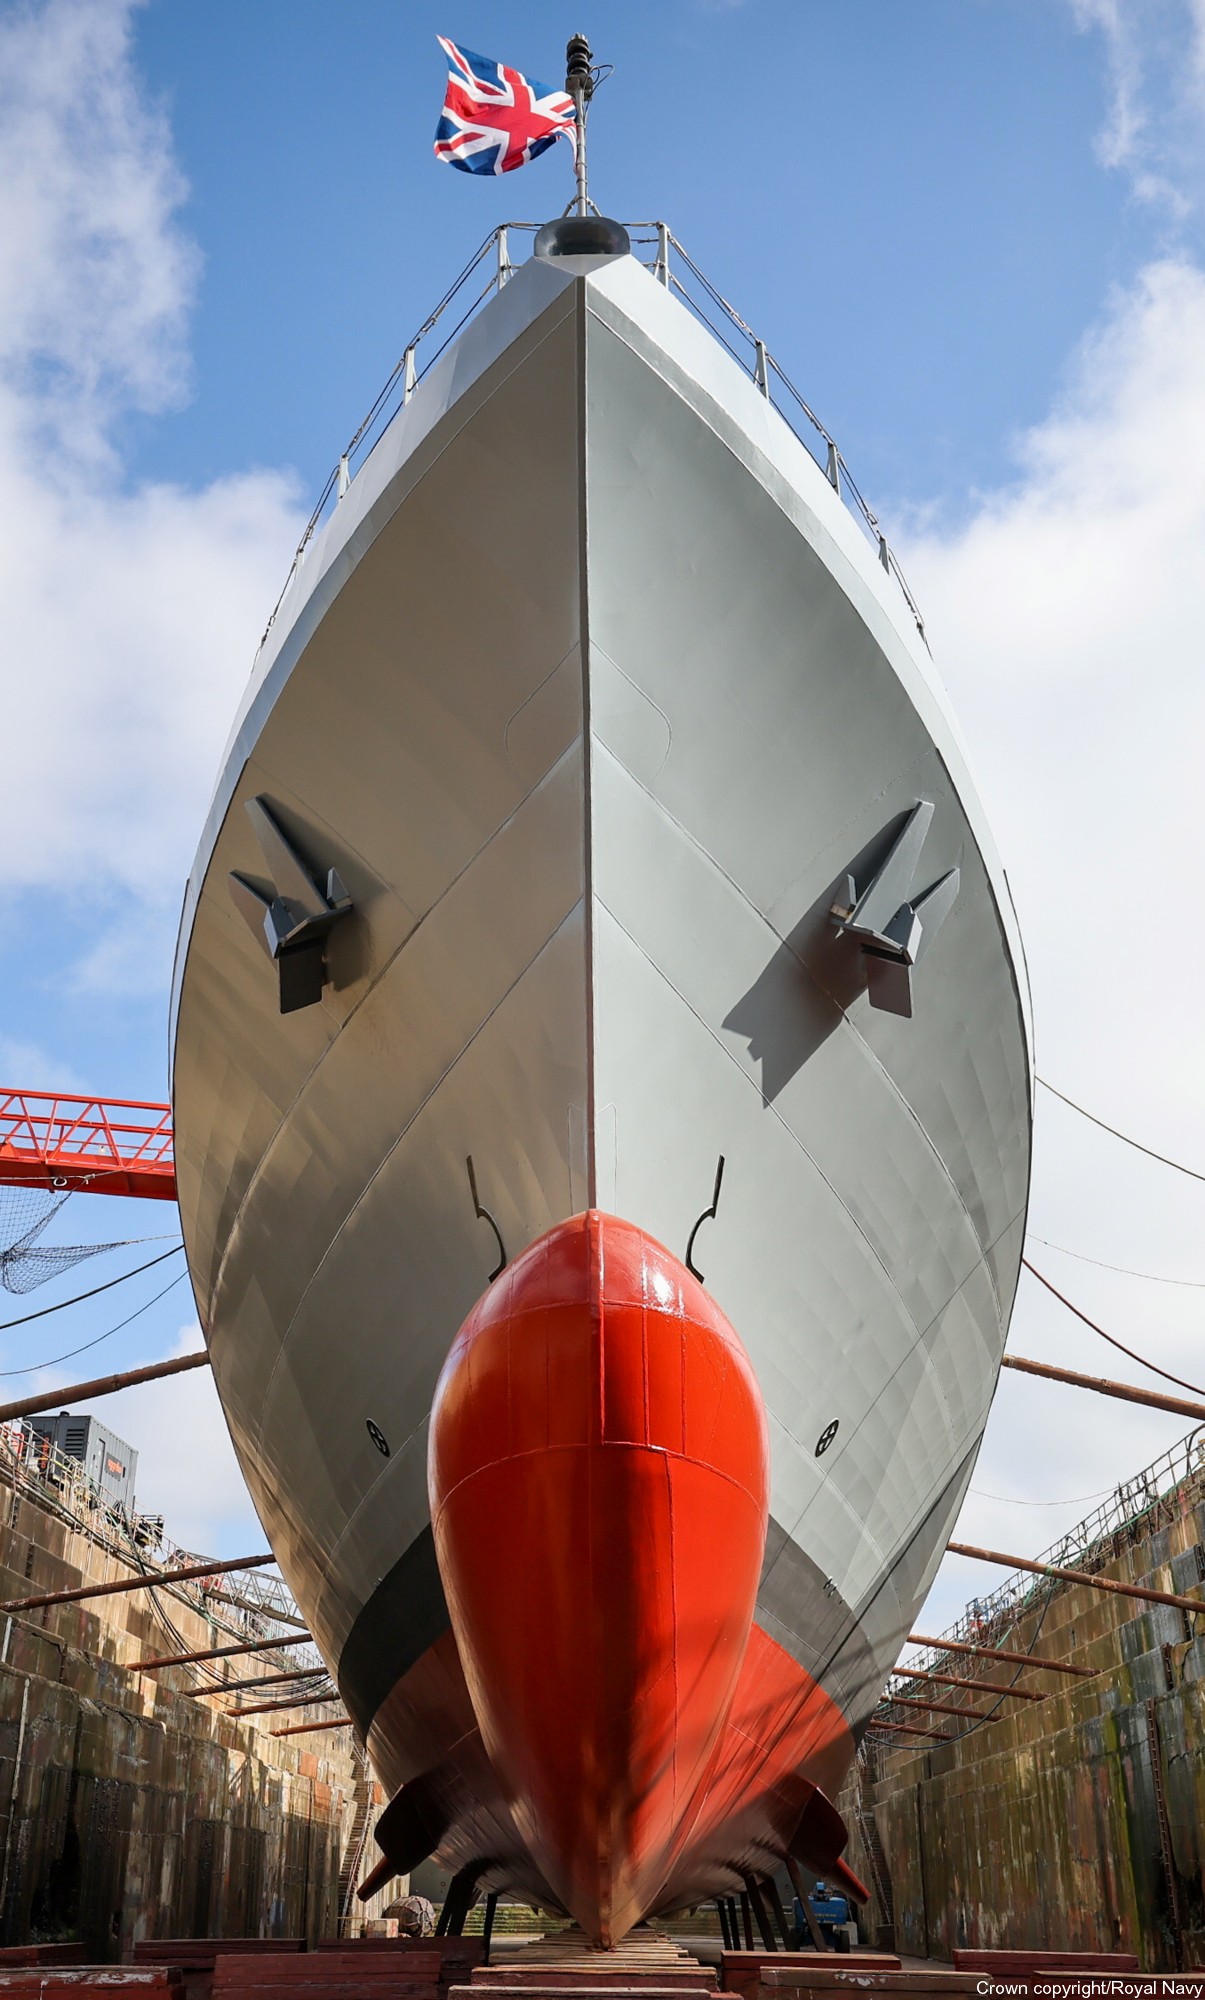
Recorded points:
(1074, 1823)
(117, 1827)
(129, 1810)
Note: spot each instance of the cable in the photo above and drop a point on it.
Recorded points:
(1162, 1158)
(34, 1366)
(1069, 1500)
(79, 1298)
(1156, 1277)
(1119, 1344)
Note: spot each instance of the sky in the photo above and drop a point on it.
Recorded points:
(972, 231)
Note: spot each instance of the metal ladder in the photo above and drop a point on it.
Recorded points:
(880, 1873)
(353, 1853)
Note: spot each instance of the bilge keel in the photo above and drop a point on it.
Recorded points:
(595, 815)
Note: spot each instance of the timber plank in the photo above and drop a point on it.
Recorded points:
(1045, 1961)
(743, 1969)
(25, 1955)
(91, 1982)
(203, 1951)
(570, 1978)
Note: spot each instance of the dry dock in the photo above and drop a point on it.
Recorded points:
(134, 1809)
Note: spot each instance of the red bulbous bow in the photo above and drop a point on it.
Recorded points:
(599, 1480)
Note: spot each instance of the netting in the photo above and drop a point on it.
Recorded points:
(25, 1262)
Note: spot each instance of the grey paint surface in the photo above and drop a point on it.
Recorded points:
(592, 764)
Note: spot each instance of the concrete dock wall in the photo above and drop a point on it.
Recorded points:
(1077, 1823)
(129, 1810)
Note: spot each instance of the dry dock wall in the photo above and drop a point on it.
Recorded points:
(129, 1811)
(1077, 1823)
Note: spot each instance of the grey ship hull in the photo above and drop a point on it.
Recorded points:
(592, 692)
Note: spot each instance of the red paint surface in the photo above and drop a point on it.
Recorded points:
(784, 1738)
(783, 1754)
(598, 1477)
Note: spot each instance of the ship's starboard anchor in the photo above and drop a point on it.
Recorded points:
(291, 920)
(893, 929)
(708, 1215)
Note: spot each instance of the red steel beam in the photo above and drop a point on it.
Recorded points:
(103, 1145)
(221, 1653)
(994, 1653)
(938, 1707)
(907, 1729)
(976, 1687)
(1083, 1576)
(101, 1385)
(191, 1574)
(1125, 1392)
(305, 1728)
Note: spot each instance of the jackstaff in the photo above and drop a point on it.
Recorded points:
(579, 82)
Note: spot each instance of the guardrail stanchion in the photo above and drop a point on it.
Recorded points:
(661, 267)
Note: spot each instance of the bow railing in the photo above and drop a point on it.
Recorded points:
(658, 249)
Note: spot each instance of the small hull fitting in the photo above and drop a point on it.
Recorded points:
(599, 1468)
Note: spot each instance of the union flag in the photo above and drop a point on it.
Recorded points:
(494, 119)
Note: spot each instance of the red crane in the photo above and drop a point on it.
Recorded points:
(91, 1145)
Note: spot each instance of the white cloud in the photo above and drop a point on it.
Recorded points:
(1154, 129)
(130, 620)
(1068, 619)
(128, 615)
(95, 278)
(1123, 134)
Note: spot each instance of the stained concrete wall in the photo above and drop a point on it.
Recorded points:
(128, 1810)
(1077, 1823)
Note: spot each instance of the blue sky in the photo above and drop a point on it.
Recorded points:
(971, 232)
(904, 199)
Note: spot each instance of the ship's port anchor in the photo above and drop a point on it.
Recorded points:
(292, 917)
(893, 928)
(708, 1215)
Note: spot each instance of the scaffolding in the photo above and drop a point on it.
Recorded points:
(241, 1604)
(1136, 1508)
